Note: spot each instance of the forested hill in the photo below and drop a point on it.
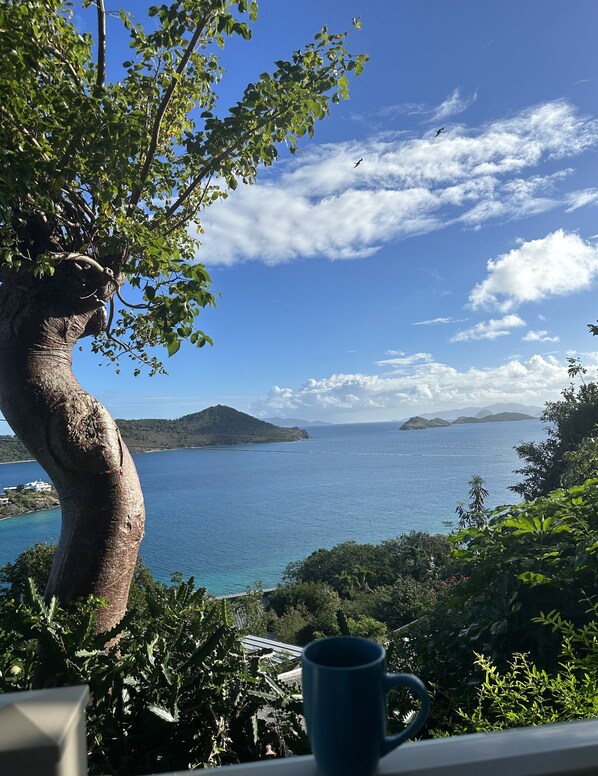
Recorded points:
(218, 425)
(12, 450)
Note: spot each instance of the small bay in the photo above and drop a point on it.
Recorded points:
(231, 516)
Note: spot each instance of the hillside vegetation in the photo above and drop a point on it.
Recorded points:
(22, 501)
(218, 425)
(12, 450)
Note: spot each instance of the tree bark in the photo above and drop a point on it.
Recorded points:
(73, 437)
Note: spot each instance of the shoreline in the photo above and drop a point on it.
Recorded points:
(28, 512)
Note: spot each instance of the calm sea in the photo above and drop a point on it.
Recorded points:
(231, 516)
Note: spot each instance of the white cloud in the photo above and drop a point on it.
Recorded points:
(453, 105)
(489, 330)
(558, 264)
(401, 359)
(433, 321)
(538, 336)
(426, 387)
(321, 205)
(582, 198)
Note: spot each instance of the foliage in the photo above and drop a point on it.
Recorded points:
(527, 695)
(105, 182)
(170, 690)
(562, 458)
(302, 611)
(34, 563)
(349, 566)
(530, 558)
(475, 515)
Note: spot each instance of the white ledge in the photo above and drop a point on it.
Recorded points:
(42, 733)
(564, 749)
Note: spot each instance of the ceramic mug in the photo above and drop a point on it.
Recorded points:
(344, 688)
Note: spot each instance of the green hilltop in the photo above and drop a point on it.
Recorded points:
(219, 425)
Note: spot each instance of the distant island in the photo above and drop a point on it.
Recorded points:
(416, 423)
(218, 425)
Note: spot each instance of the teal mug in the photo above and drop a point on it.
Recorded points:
(344, 688)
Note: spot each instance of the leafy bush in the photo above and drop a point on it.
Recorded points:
(559, 460)
(171, 686)
(303, 611)
(527, 695)
(530, 558)
(349, 566)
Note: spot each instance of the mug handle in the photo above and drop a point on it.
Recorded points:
(418, 688)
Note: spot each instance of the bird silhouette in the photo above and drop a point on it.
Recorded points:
(438, 131)
(357, 163)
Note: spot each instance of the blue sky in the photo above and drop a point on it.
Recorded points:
(442, 271)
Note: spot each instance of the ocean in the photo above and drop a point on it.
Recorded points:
(233, 516)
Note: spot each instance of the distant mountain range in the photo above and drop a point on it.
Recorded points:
(218, 425)
(419, 421)
(292, 422)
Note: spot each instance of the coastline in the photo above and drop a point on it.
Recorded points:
(28, 512)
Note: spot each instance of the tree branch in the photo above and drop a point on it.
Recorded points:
(132, 306)
(165, 102)
(60, 56)
(25, 132)
(208, 169)
(101, 43)
(81, 257)
(181, 221)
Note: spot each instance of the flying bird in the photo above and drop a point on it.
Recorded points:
(357, 163)
(438, 131)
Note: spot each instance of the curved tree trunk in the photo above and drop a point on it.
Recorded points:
(74, 438)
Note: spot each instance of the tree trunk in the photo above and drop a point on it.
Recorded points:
(73, 437)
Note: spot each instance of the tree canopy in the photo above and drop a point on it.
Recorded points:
(106, 180)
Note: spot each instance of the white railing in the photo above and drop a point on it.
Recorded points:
(43, 734)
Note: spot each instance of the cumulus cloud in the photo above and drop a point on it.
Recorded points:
(489, 330)
(321, 205)
(555, 265)
(538, 336)
(427, 386)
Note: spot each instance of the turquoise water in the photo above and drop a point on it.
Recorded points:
(233, 515)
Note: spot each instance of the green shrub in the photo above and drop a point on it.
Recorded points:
(171, 687)
(525, 694)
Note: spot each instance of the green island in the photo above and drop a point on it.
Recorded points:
(219, 425)
(21, 500)
(416, 423)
